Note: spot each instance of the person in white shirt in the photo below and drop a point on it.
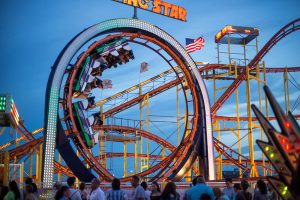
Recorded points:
(74, 194)
(147, 192)
(139, 192)
(96, 192)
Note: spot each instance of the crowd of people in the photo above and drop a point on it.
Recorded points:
(12, 192)
(198, 191)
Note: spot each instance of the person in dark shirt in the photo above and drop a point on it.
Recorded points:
(243, 194)
(261, 191)
(169, 192)
(155, 191)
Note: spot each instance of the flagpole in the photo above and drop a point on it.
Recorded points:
(139, 79)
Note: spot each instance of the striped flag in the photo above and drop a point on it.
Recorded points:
(194, 45)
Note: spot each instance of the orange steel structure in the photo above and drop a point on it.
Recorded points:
(176, 153)
(226, 151)
(225, 154)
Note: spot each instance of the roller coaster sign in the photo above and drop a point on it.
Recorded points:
(159, 7)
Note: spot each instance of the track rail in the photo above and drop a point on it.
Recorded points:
(23, 149)
(229, 154)
(226, 151)
(175, 82)
(226, 118)
(210, 67)
(143, 133)
(182, 149)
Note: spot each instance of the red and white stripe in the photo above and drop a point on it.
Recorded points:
(197, 45)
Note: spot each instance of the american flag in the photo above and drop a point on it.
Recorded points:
(194, 45)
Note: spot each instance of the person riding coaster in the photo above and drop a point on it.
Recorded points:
(103, 57)
(85, 124)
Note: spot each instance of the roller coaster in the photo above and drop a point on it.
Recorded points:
(84, 127)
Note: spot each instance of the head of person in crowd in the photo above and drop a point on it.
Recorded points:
(57, 186)
(71, 181)
(13, 187)
(95, 183)
(135, 181)
(28, 189)
(155, 186)
(169, 190)
(194, 181)
(115, 184)
(244, 185)
(63, 192)
(262, 187)
(200, 179)
(144, 185)
(4, 191)
(228, 182)
(34, 188)
(28, 181)
(217, 192)
(237, 187)
(205, 197)
(82, 186)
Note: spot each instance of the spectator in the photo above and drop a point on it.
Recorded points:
(4, 191)
(147, 192)
(194, 182)
(201, 188)
(35, 190)
(13, 191)
(63, 193)
(238, 192)
(219, 195)
(205, 197)
(139, 192)
(155, 191)
(74, 194)
(82, 191)
(116, 193)
(244, 194)
(96, 193)
(57, 186)
(228, 190)
(261, 191)
(29, 193)
(169, 192)
(28, 181)
(272, 195)
(237, 187)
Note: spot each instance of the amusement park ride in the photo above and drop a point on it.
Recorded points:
(83, 127)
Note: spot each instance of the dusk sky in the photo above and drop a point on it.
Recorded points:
(33, 33)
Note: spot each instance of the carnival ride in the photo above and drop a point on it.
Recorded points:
(87, 121)
(282, 148)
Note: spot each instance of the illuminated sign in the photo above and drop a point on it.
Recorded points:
(245, 35)
(2, 103)
(159, 7)
(14, 113)
(9, 115)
